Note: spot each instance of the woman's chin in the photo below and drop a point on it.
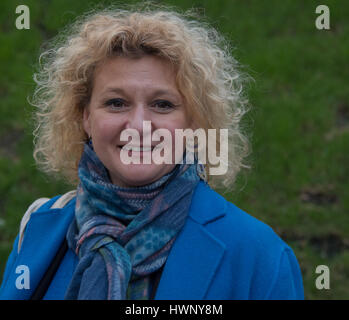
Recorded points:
(136, 175)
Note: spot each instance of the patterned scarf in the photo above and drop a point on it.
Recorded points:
(123, 235)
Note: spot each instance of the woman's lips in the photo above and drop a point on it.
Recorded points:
(137, 148)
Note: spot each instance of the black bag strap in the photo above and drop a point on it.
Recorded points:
(46, 280)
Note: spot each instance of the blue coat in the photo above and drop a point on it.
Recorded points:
(221, 253)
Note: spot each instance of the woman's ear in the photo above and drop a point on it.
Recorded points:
(86, 121)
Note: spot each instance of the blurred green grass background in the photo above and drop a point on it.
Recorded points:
(298, 126)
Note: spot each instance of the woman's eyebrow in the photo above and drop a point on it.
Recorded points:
(152, 94)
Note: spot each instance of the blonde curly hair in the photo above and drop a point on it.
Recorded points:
(207, 76)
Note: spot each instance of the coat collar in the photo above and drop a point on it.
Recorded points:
(190, 266)
(196, 253)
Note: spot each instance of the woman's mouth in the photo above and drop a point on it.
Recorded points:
(137, 148)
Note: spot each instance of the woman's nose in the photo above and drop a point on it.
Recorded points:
(140, 119)
(136, 117)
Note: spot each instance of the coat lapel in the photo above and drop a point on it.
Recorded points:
(196, 254)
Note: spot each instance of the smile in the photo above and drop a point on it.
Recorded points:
(137, 149)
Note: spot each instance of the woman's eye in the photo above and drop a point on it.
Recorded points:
(115, 103)
(163, 105)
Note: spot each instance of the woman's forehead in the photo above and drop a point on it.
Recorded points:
(120, 74)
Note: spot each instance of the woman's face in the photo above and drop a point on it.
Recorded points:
(125, 93)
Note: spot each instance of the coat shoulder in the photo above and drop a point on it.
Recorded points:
(230, 223)
(260, 264)
(43, 205)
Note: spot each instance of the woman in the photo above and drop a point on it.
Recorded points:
(142, 230)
